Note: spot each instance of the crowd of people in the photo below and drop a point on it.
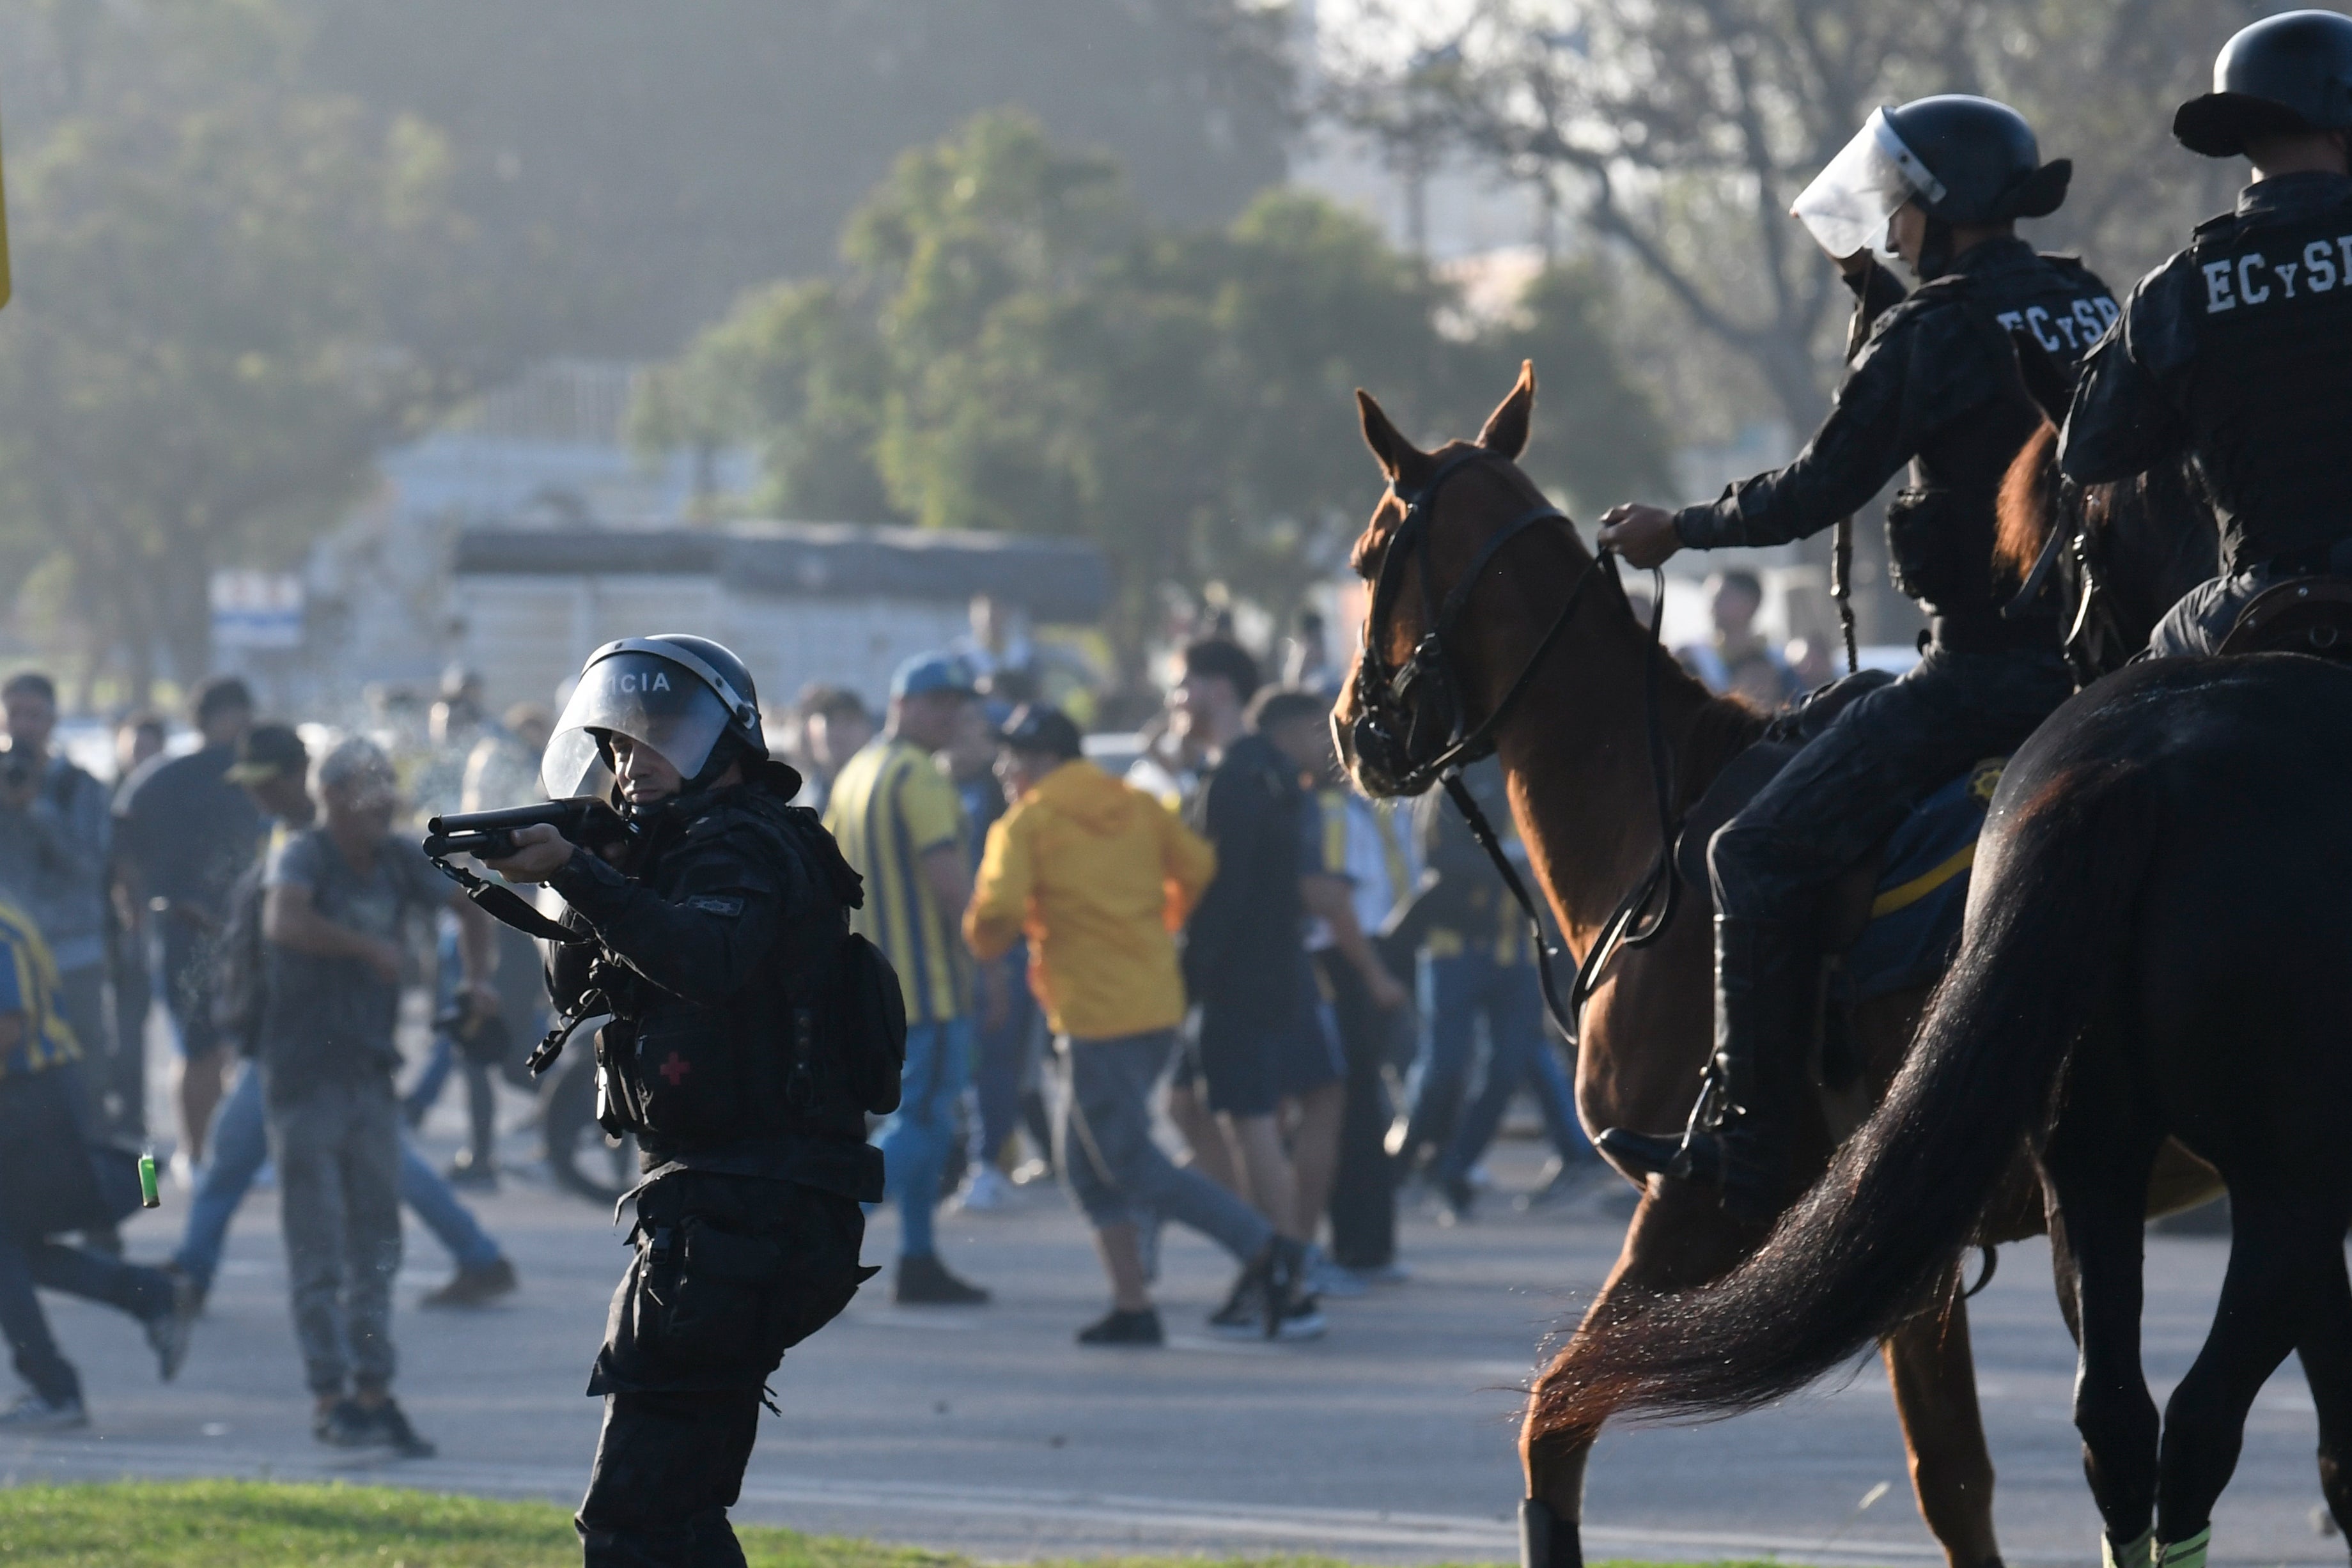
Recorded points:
(1224, 941)
(265, 898)
(1226, 932)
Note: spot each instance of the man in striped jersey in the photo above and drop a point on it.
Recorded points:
(900, 825)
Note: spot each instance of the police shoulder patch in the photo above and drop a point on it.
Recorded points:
(723, 905)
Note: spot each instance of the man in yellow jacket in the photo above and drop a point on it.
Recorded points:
(1101, 876)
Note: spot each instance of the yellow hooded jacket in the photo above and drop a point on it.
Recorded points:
(1100, 876)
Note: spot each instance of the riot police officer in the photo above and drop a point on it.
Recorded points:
(2232, 354)
(1933, 383)
(715, 937)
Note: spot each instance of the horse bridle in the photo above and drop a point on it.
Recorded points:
(1398, 706)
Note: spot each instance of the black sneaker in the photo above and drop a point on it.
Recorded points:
(474, 1287)
(393, 1430)
(1125, 1328)
(1243, 1314)
(1302, 1319)
(168, 1331)
(343, 1425)
(924, 1282)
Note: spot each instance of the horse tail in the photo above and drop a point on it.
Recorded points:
(1882, 1232)
(2028, 507)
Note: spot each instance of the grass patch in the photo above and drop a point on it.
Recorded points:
(273, 1524)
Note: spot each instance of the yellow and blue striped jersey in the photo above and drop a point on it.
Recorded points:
(28, 987)
(889, 806)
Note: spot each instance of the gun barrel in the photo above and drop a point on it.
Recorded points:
(553, 813)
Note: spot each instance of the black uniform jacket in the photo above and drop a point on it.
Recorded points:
(1936, 386)
(2236, 354)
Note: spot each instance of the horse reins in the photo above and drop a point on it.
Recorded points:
(1386, 725)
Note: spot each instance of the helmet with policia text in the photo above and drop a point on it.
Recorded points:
(687, 697)
(1963, 160)
(2285, 74)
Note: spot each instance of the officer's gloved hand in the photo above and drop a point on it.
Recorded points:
(539, 852)
(1643, 535)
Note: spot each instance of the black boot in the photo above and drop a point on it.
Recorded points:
(1767, 973)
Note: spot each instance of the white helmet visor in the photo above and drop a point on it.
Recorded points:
(1847, 205)
(655, 702)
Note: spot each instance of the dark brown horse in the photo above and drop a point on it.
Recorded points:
(2158, 946)
(1575, 745)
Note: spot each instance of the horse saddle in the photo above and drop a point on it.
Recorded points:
(2304, 615)
(1894, 918)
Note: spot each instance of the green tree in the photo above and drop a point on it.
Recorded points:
(229, 295)
(1016, 347)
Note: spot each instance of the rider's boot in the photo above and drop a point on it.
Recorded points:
(1767, 974)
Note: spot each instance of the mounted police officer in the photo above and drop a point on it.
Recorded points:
(1934, 383)
(2233, 353)
(741, 1051)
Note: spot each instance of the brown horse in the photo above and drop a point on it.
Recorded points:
(1575, 690)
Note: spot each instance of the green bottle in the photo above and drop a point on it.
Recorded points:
(148, 1196)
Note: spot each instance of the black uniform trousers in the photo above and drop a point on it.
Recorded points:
(1854, 783)
(730, 1271)
(1364, 1191)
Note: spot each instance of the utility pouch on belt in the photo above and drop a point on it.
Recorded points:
(1923, 547)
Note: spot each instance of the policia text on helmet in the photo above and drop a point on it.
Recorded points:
(743, 1034)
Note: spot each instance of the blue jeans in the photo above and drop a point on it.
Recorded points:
(1001, 1063)
(916, 1143)
(1519, 1055)
(240, 1142)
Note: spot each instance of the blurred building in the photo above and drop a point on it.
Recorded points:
(800, 601)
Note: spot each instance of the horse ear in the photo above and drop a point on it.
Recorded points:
(2046, 381)
(1506, 432)
(1404, 464)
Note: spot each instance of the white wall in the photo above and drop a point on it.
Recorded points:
(527, 634)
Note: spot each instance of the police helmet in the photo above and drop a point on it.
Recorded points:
(2283, 75)
(1964, 159)
(687, 698)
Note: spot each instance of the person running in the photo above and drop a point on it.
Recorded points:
(1100, 876)
(53, 1181)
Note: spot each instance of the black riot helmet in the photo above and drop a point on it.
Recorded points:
(2283, 75)
(1963, 160)
(687, 698)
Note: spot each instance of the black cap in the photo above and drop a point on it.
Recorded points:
(2284, 74)
(269, 751)
(1045, 730)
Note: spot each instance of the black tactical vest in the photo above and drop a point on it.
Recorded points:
(1940, 530)
(2270, 387)
(777, 1060)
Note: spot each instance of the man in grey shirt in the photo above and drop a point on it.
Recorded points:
(337, 901)
(56, 831)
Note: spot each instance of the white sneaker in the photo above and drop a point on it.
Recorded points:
(986, 1191)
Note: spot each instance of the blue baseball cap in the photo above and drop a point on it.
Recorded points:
(928, 672)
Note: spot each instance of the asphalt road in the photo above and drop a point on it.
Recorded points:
(989, 1432)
